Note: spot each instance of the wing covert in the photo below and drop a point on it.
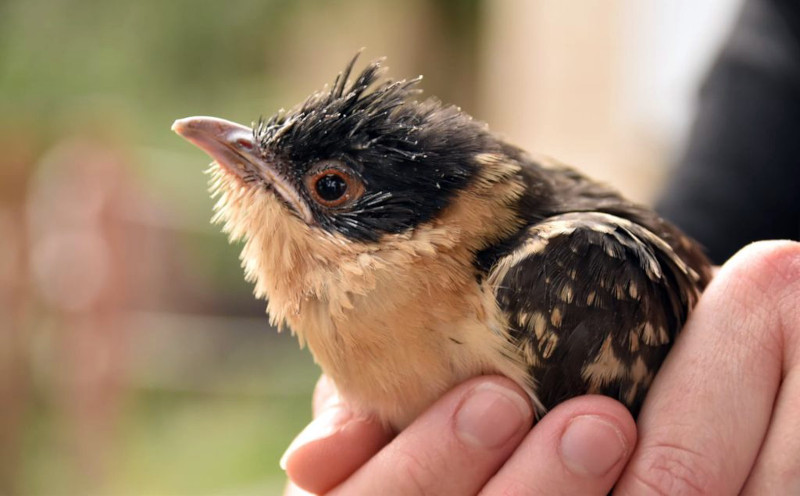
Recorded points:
(593, 303)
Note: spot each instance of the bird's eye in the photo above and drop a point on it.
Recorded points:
(333, 186)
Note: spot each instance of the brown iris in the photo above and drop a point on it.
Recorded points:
(333, 186)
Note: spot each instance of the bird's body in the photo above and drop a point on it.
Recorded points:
(412, 249)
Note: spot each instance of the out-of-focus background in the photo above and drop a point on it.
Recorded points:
(133, 358)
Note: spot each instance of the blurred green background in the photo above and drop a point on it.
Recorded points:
(133, 356)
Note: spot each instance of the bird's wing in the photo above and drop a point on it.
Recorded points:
(593, 303)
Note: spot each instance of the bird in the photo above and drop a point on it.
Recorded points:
(410, 248)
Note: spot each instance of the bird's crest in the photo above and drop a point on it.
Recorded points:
(346, 109)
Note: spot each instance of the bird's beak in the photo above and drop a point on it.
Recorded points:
(234, 148)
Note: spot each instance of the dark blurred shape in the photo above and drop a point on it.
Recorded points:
(739, 180)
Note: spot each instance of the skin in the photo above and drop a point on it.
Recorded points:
(719, 418)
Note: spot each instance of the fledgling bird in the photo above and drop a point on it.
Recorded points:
(411, 249)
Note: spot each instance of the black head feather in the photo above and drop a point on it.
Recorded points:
(411, 156)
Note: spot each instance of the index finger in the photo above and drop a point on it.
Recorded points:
(333, 446)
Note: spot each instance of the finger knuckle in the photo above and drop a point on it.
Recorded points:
(769, 262)
(415, 474)
(766, 278)
(510, 486)
(674, 470)
(517, 487)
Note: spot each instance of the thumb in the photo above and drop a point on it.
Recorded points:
(334, 445)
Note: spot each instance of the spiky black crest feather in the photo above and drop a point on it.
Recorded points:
(412, 156)
(350, 112)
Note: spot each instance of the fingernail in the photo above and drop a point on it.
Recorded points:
(491, 415)
(329, 422)
(591, 446)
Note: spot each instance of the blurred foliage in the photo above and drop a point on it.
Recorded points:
(182, 441)
(124, 71)
(147, 53)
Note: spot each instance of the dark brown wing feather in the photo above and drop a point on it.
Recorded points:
(594, 302)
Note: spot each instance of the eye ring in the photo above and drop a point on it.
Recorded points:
(331, 185)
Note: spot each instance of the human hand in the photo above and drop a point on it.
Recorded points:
(718, 419)
(477, 437)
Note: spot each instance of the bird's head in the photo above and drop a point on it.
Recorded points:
(356, 177)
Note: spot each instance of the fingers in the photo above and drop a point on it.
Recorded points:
(333, 445)
(777, 469)
(580, 447)
(707, 413)
(454, 447)
(292, 490)
(459, 444)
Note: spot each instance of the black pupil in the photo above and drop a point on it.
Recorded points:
(331, 187)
